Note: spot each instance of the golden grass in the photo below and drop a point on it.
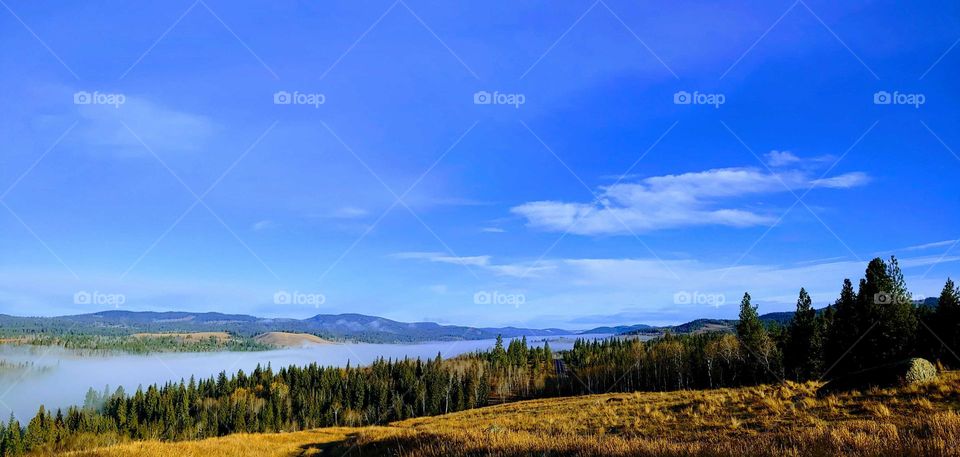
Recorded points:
(781, 419)
(310, 442)
(286, 339)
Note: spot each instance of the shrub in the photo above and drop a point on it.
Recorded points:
(919, 371)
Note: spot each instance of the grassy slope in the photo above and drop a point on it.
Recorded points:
(785, 419)
(287, 339)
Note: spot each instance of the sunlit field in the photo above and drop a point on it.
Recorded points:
(781, 419)
(410, 228)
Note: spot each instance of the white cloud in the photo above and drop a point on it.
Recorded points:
(781, 158)
(777, 159)
(648, 287)
(938, 244)
(439, 257)
(439, 289)
(672, 201)
(159, 127)
(349, 212)
(262, 225)
(842, 181)
(518, 270)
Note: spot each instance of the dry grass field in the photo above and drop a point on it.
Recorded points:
(286, 339)
(783, 419)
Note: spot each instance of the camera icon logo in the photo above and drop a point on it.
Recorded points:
(482, 298)
(281, 297)
(682, 298)
(82, 98)
(882, 298)
(282, 98)
(682, 98)
(482, 98)
(882, 98)
(82, 298)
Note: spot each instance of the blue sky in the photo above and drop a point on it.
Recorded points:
(600, 199)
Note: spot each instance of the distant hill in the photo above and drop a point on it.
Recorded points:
(701, 325)
(285, 339)
(616, 330)
(351, 327)
(338, 327)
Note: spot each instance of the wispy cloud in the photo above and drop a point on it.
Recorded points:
(439, 257)
(645, 290)
(938, 244)
(672, 201)
(781, 158)
(105, 128)
(842, 181)
(262, 225)
(348, 212)
(518, 270)
(439, 289)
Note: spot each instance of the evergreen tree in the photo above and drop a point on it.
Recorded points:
(749, 326)
(13, 444)
(947, 323)
(755, 339)
(845, 328)
(876, 326)
(39, 430)
(889, 305)
(801, 353)
(499, 355)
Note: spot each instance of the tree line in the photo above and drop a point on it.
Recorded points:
(875, 324)
(872, 325)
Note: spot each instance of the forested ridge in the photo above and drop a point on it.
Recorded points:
(872, 325)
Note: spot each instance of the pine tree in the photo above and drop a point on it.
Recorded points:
(755, 339)
(885, 304)
(39, 430)
(13, 444)
(844, 329)
(749, 325)
(499, 354)
(947, 323)
(801, 352)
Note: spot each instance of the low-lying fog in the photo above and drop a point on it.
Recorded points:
(57, 378)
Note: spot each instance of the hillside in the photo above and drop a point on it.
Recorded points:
(285, 339)
(353, 327)
(782, 419)
(696, 326)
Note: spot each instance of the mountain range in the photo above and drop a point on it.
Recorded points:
(342, 327)
(352, 327)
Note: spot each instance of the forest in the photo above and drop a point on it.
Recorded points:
(136, 344)
(871, 325)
